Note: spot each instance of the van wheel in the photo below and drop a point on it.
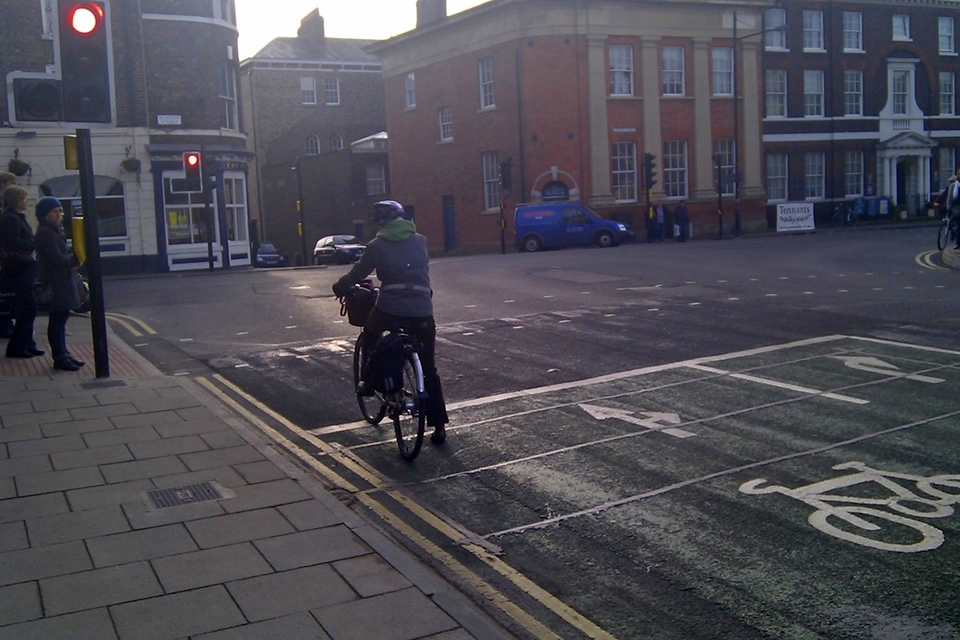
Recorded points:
(531, 243)
(604, 239)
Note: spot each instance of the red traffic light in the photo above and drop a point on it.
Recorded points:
(191, 160)
(85, 18)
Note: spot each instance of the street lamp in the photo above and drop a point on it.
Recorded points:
(300, 227)
(736, 121)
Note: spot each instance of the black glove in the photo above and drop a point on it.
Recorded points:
(340, 290)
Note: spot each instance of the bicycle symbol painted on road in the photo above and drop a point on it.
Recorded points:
(933, 498)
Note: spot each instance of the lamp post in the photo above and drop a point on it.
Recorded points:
(300, 226)
(736, 120)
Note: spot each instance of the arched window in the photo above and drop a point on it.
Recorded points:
(313, 145)
(336, 143)
(111, 211)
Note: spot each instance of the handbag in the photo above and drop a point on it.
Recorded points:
(42, 293)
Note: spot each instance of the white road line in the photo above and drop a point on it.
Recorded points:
(781, 385)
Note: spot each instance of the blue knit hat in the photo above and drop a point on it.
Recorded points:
(45, 205)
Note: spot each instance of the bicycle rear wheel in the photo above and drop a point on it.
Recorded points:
(372, 407)
(943, 235)
(408, 411)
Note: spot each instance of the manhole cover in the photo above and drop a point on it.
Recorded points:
(175, 496)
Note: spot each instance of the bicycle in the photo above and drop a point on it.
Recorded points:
(934, 498)
(405, 403)
(844, 214)
(948, 231)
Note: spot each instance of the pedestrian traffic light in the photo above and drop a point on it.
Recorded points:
(192, 172)
(649, 170)
(85, 56)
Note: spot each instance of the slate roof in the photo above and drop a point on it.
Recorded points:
(333, 50)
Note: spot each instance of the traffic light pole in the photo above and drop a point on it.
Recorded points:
(88, 199)
(207, 211)
(720, 196)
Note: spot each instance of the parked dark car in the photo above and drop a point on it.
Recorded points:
(339, 249)
(268, 256)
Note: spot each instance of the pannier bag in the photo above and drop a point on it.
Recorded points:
(385, 367)
(358, 304)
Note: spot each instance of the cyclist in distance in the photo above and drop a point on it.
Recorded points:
(399, 256)
(953, 206)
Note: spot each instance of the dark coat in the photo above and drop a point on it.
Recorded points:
(16, 242)
(57, 264)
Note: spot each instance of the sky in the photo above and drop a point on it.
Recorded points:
(260, 21)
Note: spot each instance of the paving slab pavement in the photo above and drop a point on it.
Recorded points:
(136, 507)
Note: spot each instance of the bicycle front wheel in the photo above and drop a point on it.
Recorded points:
(372, 407)
(943, 235)
(408, 409)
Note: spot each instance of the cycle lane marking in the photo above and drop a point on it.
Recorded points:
(780, 385)
(540, 524)
(876, 365)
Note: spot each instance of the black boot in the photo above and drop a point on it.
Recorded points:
(65, 364)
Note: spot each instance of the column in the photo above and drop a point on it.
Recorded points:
(652, 140)
(751, 151)
(598, 127)
(702, 152)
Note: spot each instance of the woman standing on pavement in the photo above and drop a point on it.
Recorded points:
(19, 270)
(58, 267)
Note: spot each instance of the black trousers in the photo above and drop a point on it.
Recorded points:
(21, 283)
(425, 330)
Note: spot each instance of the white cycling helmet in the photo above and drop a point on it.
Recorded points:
(387, 210)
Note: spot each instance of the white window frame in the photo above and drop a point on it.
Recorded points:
(623, 163)
(491, 181)
(673, 71)
(311, 145)
(775, 39)
(675, 168)
(813, 93)
(853, 173)
(410, 90)
(777, 177)
(621, 70)
(901, 81)
(308, 90)
(721, 59)
(946, 41)
(852, 93)
(331, 91)
(948, 164)
(235, 205)
(813, 31)
(445, 122)
(853, 31)
(814, 175)
(725, 148)
(901, 27)
(948, 93)
(228, 96)
(485, 74)
(376, 179)
(775, 85)
(221, 11)
(335, 142)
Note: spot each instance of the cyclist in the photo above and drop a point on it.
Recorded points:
(399, 255)
(953, 207)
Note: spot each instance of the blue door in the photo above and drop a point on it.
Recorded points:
(577, 226)
(449, 224)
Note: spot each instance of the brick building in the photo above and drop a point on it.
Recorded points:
(171, 80)
(314, 109)
(860, 100)
(573, 94)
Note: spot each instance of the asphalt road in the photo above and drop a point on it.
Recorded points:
(642, 437)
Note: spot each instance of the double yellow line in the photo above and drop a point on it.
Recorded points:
(131, 324)
(379, 484)
(925, 260)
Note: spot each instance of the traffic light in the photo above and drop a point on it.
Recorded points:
(506, 174)
(37, 99)
(192, 172)
(85, 56)
(649, 171)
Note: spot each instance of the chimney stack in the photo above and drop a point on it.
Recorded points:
(430, 11)
(311, 27)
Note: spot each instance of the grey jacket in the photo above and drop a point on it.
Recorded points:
(399, 256)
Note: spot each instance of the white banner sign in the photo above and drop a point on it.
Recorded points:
(795, 216)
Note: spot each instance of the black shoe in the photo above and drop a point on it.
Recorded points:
(439, 435)
(65, 364)
(19, 354)
(79, 363)
(36, 352)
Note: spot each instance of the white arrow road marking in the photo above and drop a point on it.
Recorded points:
(781, 385)
(875, 365)
(654, 421)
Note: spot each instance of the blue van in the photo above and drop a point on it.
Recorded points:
(565, 224)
